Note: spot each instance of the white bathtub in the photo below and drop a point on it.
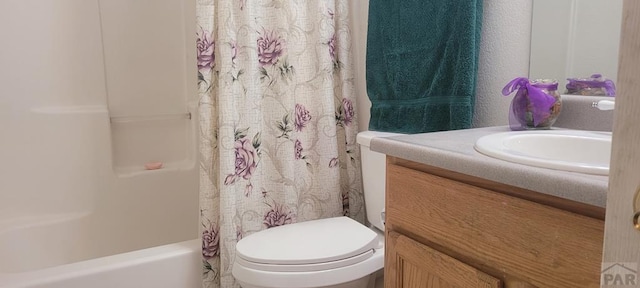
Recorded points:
(177, 265)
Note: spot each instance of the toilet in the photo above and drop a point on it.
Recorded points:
(326, 253)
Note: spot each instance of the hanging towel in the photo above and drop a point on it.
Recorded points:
(422, 62)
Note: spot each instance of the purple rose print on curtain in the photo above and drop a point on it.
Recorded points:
(333, 162)
(210, 242)
(297, 145)
(332, 48)
(345, 113)
(278, 215)
(347, 107)
(302, 117)
(205, 51)
(245, 164)
(270, 48)
(247, 153)
(245, 158)
(298, 150)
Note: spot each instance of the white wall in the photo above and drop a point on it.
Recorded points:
(504, 55)
(359, 15)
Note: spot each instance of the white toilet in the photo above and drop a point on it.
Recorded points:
(335, 252)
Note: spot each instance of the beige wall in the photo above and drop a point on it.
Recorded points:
(504, 55)
(359, 15)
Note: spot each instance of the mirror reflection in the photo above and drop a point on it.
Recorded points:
(575, 39)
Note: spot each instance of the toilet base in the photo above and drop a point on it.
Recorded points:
(368, 281)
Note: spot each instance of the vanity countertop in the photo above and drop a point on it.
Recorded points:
(454, 151)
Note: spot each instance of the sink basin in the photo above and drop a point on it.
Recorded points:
(568, 150)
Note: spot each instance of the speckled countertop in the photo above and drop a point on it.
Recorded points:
(453, 150)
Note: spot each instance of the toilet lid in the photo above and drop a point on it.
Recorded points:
(310, 242)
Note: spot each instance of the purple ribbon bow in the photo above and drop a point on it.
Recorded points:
(540, 101)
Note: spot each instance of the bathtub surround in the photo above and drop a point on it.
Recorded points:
(150, 112)
(422, 59)
(63, 198)
(278, 123)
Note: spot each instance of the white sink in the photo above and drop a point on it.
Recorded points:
(568, 150)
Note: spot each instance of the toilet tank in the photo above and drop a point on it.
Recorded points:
(373, 176)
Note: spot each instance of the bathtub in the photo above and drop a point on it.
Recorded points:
(175, 265)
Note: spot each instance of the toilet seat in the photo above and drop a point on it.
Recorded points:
(360, 253)
(319, 244)
(305, 267)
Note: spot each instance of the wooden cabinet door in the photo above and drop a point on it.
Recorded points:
(415, 265)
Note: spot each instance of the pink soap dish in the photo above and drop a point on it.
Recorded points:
(153, 165)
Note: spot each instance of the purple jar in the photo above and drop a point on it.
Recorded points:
(536, 104)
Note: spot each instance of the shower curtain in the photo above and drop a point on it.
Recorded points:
(277, 121)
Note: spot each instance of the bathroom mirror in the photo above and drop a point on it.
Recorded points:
(575, 38)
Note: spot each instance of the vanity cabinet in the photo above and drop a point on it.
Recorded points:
(445, 229)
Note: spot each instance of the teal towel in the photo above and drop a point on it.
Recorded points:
(422, 62)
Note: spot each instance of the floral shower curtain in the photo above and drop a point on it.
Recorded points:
(277, 119)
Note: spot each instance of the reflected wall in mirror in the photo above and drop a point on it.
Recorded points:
(575, 38)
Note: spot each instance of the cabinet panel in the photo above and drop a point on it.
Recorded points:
(418, 265)
(518, 240)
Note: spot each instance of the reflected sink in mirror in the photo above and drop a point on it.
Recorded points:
(568, 150)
